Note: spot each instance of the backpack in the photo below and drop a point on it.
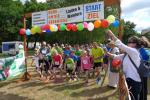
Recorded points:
(144, 68)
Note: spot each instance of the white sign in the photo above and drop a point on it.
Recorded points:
(39, 18)
(79, 13)
(94, 11)
(66, 15)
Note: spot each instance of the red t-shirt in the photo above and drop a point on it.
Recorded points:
(57, 59)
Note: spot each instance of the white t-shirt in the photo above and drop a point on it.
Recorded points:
(128, 68)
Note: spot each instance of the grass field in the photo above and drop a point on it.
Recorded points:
(35, 89)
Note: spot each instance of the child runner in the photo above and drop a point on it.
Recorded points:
(78, 52)
(70, 68)
(35, 60)
(85, 65)
(56, 63)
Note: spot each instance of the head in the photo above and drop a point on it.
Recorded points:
(94, 44)
(77, 47)
(111, 44)
(134, 42)
(55, 53)
(56, 44)
(43, 44)
(144, 42)
(84, 53)
(62, 45)
(67, 56)
(86, 47)
(72, 53)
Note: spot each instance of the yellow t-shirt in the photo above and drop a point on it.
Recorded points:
(97, 52)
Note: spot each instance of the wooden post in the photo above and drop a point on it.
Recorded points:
(120, 22)
(26, 74)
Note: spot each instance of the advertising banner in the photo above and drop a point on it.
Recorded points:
(72, 14)
(39, 18)
(12, 66)
(66, 15)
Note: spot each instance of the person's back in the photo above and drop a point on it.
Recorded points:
(97, 52)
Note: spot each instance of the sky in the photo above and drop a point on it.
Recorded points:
(137, 11)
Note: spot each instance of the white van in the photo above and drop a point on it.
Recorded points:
(11, 47)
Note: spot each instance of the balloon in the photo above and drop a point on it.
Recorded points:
(116, 63)
(74, 28)
(43, 28)
(69, 26)
(52, 28)
(33, 31)
(97, 23)
(67, 29)
(115, 23)
(85, 24)
(110, 19)
(55, 28)
(59, 27)
(104, 23)
(22, 31)
(48, 31)
(28, 32)
(90, 26)
(62, 27)
(37, 29)
(80, 26)
(46, 27)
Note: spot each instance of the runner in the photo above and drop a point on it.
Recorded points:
(97, 54)
(43, 61)
(78, 52)
(85, 65)
(56, 63)
(70, 68)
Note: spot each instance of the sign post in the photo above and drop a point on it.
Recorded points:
(26, 75)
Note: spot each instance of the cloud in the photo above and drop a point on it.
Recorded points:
(41, 0)
(137, 11)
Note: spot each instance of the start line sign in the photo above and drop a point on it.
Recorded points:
(72, 14)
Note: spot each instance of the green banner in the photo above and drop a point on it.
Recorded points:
(12, 66)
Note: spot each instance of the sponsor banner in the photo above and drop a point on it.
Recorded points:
(12, 66)
(78, 13)
(94, 11)
(39, 18)
(66, 15)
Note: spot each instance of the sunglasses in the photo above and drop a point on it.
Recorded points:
(131, 42)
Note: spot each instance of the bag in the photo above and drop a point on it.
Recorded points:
(112, 69)
(144, 68)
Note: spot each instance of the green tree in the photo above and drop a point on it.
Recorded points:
(10, 15)
(129, 31)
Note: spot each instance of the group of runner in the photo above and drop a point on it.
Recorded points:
(72, 60)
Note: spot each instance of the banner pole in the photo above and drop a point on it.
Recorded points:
(120, 22)
(26, 74)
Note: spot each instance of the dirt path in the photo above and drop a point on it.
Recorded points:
(37, 90)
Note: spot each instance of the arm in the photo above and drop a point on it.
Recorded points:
(119, 44)
(81, 65)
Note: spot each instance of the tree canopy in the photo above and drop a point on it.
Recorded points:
(11, 20)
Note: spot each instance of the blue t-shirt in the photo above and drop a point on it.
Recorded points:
(67, 52)
(144, 54)
(74, 57)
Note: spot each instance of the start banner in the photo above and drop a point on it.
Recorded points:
(72, 14)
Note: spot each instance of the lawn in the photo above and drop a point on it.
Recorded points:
(35, 89)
